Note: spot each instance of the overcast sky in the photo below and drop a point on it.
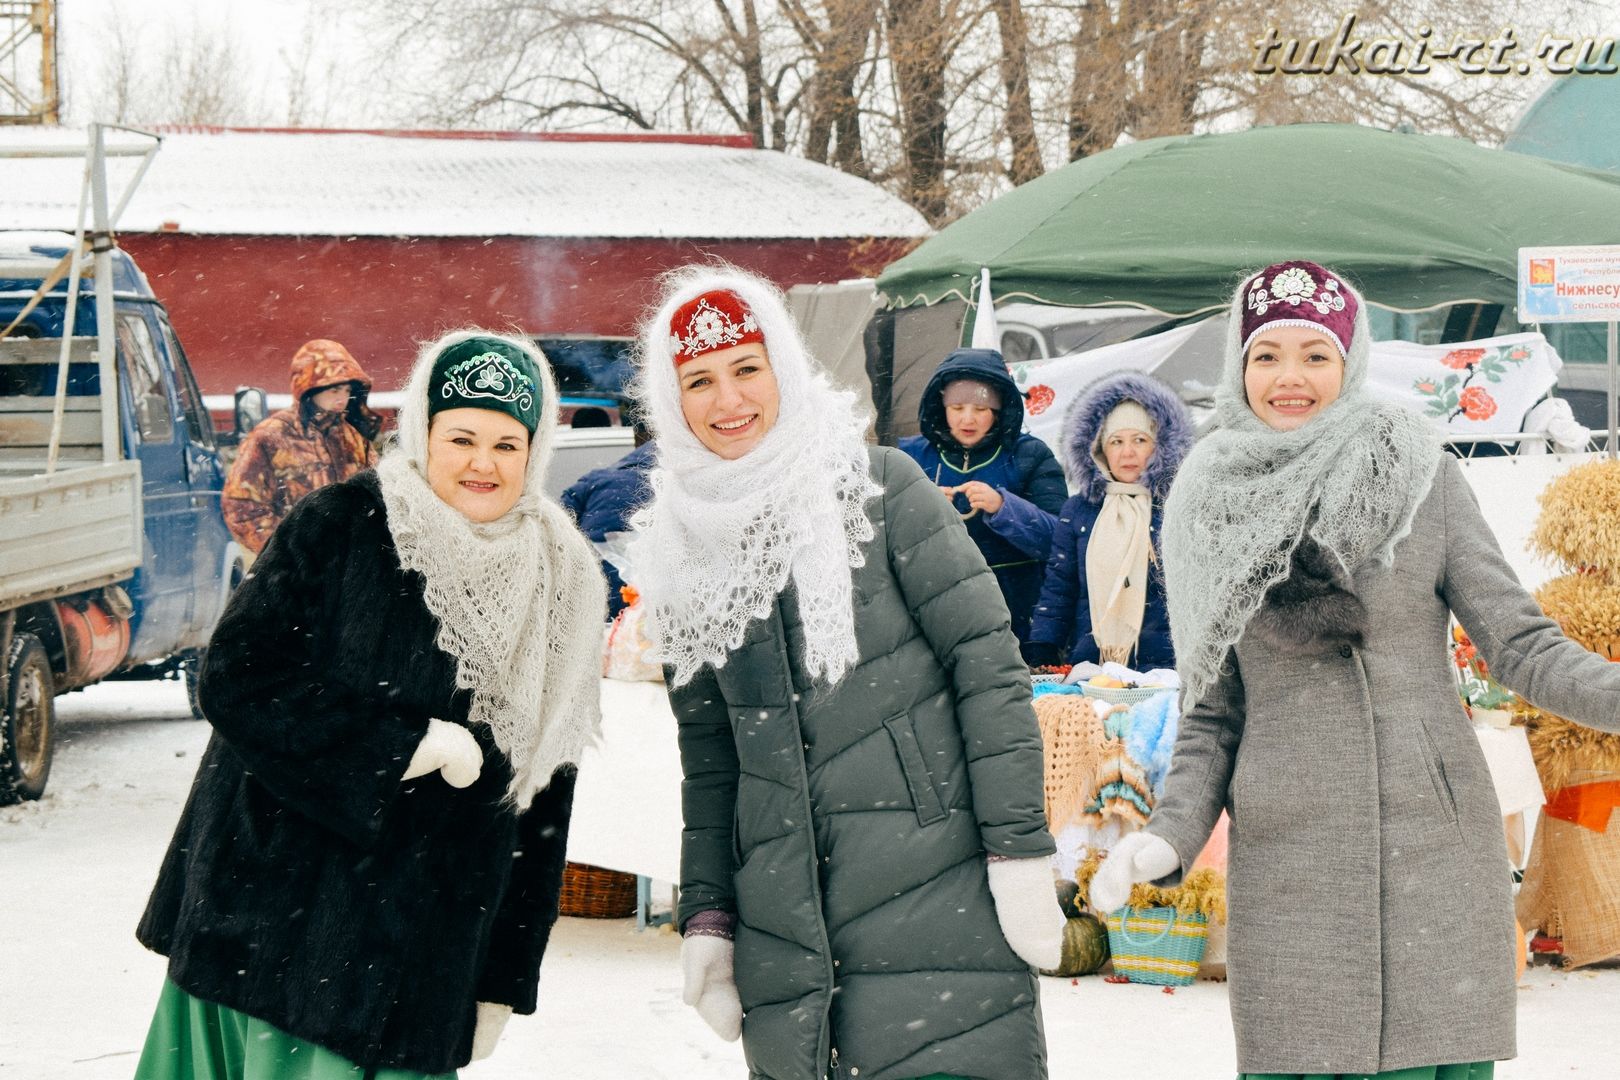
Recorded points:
(338, 51)
(270, 35)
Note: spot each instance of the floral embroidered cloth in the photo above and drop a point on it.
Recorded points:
(1469, 388)
(1473, 388)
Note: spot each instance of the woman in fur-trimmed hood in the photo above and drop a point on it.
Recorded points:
(366, 872)
(1315, 547)
(1103, 594)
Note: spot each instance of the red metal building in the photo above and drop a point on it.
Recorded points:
(258, 240)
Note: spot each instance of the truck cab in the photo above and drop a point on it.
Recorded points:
(163, 608)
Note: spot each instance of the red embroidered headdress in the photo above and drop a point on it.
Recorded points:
(1299, 293)
(715, 320)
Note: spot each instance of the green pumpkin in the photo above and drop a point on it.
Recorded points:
(1085, 947)
(1068, 894)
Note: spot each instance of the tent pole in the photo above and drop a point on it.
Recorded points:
(1614, 391)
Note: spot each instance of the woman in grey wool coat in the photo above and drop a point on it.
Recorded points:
(1315, 547)
(864, 882)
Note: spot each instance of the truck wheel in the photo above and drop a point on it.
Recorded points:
(191, 670)
(27, 716)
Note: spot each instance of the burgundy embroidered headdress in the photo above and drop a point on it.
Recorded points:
(718, 319)
(1299, 293)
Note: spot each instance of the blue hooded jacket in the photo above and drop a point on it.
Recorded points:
(602, 501)
(1063, 615)
(1016, 539)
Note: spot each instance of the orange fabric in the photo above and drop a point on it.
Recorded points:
(1586, 805)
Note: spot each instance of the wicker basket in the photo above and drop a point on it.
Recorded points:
(590, 892)
(1133, 695)
(1158, 945)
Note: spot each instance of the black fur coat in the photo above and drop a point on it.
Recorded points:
(306, 885)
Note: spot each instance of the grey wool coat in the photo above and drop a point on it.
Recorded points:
(847, 828)
(1368, 884)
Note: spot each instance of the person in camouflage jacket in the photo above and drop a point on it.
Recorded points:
(325, 437)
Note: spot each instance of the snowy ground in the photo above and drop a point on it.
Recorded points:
(76, 990)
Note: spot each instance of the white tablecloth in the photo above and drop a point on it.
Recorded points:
(1518, 785)
(627, 803)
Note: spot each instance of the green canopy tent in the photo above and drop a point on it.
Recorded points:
(1171, 224)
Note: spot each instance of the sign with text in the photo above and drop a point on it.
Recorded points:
(1569, 284)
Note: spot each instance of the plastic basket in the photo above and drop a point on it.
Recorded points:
(1158, 945)
(1123, 696)
(590, 892)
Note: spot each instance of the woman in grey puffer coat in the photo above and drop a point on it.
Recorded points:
(864, 877)
(1315, 547)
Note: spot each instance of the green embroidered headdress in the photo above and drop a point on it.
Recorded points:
(486, 373)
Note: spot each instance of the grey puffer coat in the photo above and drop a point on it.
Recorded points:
(1368, 883)
(847, 828)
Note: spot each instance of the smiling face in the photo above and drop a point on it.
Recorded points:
(1290, 374)
(1128, 453)
(729, 398)
(476, 461)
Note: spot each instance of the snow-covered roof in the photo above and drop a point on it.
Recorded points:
(317, 183)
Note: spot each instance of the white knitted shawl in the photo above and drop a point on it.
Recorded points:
(720, 540)
(1354, 474)
(520, 601)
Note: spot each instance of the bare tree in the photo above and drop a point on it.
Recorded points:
(946, 102)
(193, 75)
(1014, 32)
(839, 42)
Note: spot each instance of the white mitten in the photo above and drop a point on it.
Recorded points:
(450, 750)
(711, 987)
(1140, 856)
(1027, 908)
(492, 1020)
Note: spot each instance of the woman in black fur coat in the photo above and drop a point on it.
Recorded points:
(366, 872)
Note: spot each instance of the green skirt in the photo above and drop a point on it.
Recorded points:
(1467, 1070)
(193, 1039)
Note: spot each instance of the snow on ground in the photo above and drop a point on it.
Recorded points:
(77, 989)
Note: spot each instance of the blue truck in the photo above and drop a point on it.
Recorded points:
(114, 556)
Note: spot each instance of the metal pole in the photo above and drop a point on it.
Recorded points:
(101, 244)
(69, 321)
(1614, 392)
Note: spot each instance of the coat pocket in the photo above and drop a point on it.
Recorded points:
(1437, 773)
(918, 781)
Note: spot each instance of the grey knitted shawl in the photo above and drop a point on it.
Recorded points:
(1354, 474)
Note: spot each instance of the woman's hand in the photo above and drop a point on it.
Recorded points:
(710, 983)
(450, 750)
(980, 496)
(1138, 857)
(1027, 909)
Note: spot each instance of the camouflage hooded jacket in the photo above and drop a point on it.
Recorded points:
(296, 450)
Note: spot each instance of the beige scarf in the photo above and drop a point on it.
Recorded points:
(1116, 569)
